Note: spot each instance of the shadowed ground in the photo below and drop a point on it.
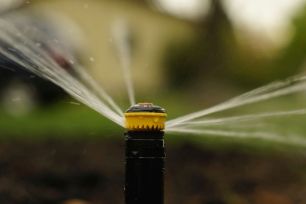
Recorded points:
(91, 171)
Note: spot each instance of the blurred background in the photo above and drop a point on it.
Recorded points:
(186, 55)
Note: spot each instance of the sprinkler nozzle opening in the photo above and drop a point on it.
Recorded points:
(145, 117)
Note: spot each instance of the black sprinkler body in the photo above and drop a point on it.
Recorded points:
(145, 154)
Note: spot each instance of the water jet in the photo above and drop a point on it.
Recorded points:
(145, 123)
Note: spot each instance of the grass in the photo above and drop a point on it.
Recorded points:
(65, 120)
(68, 120)
(60, 120)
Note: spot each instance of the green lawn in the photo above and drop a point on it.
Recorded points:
(66, 120)
(58, 121)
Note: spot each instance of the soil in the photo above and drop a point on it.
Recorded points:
(92, 172)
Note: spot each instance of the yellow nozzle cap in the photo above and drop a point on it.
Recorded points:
(145, 117)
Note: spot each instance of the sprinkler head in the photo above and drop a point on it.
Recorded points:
(145, 117)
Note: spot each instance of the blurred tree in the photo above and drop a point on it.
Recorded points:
(254, 70)
(293, 57)
(215, 54)
(208, 55)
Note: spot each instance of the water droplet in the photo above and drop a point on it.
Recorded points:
(38, 44)
(91, 59)
(71, 62)
(74, 103)
(55, 41)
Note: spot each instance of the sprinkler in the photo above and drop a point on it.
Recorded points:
(145, 154)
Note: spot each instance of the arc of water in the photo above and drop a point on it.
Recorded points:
(56, 76)
(98, 89)
(121, 36)
(293, 139)
(272, 87)
(243, 118)
(233, 103)
(67, 83)
(80, 70)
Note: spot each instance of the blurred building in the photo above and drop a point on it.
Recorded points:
(150, 31)
(207, 47)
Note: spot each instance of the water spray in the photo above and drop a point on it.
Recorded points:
(145, 122)
(145, 154)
